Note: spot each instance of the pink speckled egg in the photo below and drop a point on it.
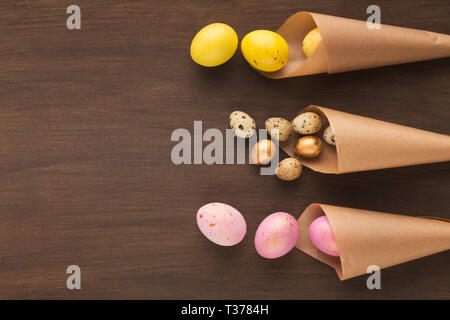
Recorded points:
(221, 223)
(322, 236)
(276, 235)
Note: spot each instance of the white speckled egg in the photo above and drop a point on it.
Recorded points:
(221, 223)
(307, 123)
(283, 126)
(276, 235)
(328, 136)
(289, 169)
(242, 124)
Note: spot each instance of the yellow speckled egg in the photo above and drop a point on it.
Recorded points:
(214, 45)
(265, 50)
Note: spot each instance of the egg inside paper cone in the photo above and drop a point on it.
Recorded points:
(309, 146)
(364, 144)
(365, 238)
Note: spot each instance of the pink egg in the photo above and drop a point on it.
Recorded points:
(322, 236)
(221, 223)
(276, 235)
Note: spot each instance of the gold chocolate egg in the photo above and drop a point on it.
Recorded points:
(263, 152)
(308, 147)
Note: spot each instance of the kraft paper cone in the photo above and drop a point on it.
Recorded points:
(348, 44)
(366, 238)
(367, 144)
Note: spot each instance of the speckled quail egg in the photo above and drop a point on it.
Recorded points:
(242, 124)
(283, 126)
(307, 123)
(289, 169)
(328, 136)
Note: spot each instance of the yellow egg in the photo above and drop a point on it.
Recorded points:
(311, 41)
(265, 50)
(214, 45)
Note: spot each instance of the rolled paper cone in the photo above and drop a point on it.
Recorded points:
(366, 238)
(349, 44)
(367, 144)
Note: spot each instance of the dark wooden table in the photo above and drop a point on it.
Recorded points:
(86, 176)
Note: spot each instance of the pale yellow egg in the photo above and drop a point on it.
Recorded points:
(311, 41)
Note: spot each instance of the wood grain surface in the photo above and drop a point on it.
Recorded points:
(86, 176)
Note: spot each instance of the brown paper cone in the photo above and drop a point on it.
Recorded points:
(366, 238)
(368, 144)
(348, 44)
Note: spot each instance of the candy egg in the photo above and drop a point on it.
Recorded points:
(276, 235)
(322, 235)
(221, 223)
(328, 136)
(263, 151)
(311, 41)
(307, 123)
(265, 50)
(289, 169)
(214, 45)
(242, 124)
(308, 147)
(283, 126)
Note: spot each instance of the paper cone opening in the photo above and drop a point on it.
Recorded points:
(294, 31)
(367, 144)
(365, 238)
(349, 44)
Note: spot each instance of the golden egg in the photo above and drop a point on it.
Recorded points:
(263, 152)
(308, 147)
